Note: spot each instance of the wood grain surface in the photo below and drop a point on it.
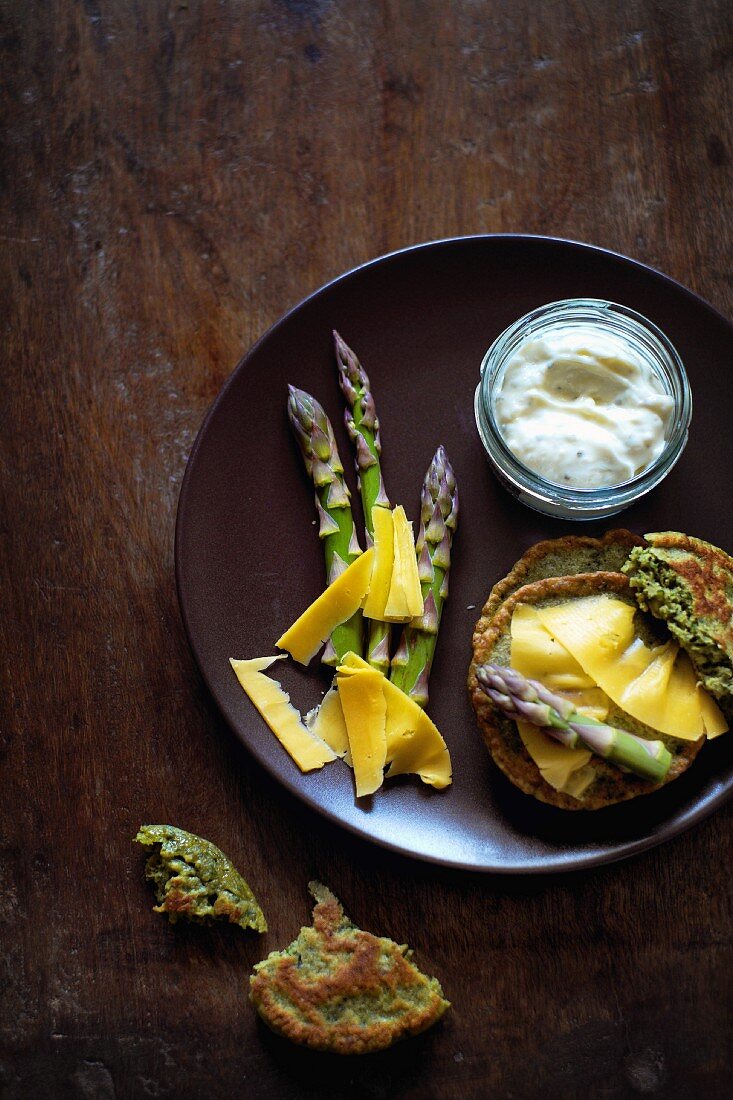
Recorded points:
(174, 177)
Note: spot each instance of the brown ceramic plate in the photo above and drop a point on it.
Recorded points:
(248, 559)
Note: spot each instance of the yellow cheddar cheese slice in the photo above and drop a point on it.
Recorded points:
(307, 750)
(539, 656)
(381, 578)
(712, 716)
(327, 722)
(656, 685)
(559, 766)
(591, 701)
(414, 744)
(664, 693)
(533, 647)
(404, 601)
(579, 781)
(535, 653)
(364, 709)
(334, 606)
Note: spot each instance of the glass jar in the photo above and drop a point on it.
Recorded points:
(645, 341)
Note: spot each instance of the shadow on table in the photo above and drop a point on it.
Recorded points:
(366, 1077)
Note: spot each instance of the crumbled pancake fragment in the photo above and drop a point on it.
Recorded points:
(193, 879)
(339, 989)
(689, 584)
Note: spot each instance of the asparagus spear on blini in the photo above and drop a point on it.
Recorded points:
(529, 701)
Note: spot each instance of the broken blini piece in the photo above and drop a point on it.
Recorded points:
(194, 879)
(339, 989)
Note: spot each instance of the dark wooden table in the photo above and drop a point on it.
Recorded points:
(175, 176)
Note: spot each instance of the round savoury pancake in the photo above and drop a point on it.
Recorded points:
(563, 558)
(492, 642)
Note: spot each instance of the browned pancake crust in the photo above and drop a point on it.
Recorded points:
(500, 734)
(301, 993)
(706, 572)
(610, 551)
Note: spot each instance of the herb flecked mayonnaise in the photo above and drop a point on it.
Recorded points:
(581, 407)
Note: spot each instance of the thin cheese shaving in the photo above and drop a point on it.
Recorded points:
(534, 648)
(414, 743)
(328, 723)
(404, 601)
(381, 577)
(712, 716)
(307, 750)
(539, 656)
(656, 686)
(364, 709)
(334, 606)
(664, 695)
(557, 763)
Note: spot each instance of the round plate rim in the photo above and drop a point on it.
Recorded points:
(623, 850)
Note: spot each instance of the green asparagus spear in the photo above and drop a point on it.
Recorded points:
(530, 701)
(413, 660)
(363, 428)
(336, 524)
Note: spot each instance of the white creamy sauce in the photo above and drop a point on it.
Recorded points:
(582, 408)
